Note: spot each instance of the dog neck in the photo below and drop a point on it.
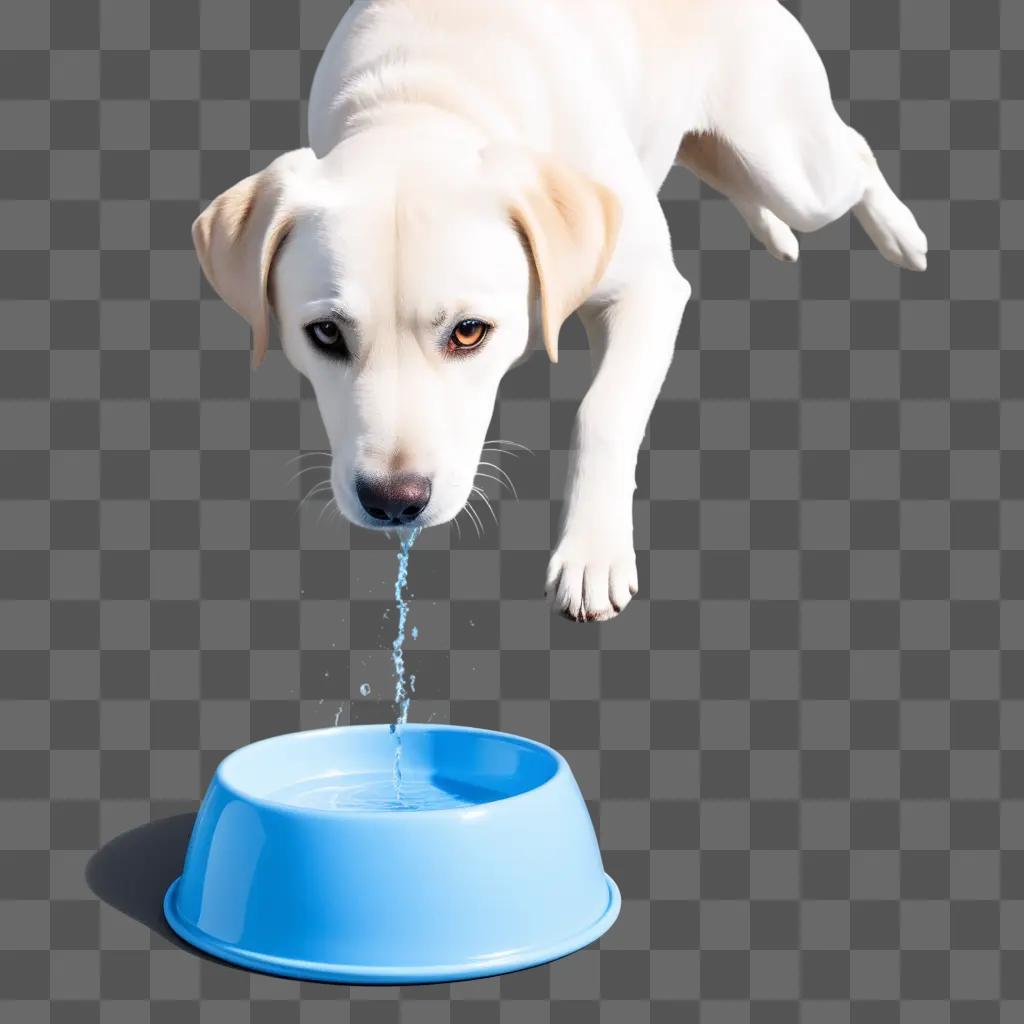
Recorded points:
(395, 87)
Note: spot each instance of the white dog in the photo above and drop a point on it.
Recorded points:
(478, 170)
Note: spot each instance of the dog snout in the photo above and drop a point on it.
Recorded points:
(394, 500)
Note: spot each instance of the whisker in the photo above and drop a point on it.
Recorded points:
(513, 444)
(310, 507)
(474, 518)
(318, 488)
(487, 502)
(481, 475)
(308, 469)
(504, 481)
(498, 469)
(305, 455)
(329, 505)
(324, 485)
(507, 441)
(494, 479)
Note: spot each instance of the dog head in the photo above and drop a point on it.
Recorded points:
(407, 273)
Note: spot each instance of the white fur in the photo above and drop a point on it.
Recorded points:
(397, 217)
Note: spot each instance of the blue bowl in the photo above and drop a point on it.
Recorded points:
(304, 863)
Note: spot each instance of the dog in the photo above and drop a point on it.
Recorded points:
(479, 171)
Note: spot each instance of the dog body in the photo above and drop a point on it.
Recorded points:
(479, 171)
(576, 79)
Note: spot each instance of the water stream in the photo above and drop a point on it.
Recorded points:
(403, 692)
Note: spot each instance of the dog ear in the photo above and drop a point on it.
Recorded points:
(569, 223)
(237, 237)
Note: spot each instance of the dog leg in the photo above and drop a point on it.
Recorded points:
(771, 232)
(887, 220)
(774, 143)
(714, 161)
(592, 574)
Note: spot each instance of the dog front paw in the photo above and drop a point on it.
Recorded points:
(591, 578)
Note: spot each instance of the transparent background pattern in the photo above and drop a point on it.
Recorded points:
(801, 743)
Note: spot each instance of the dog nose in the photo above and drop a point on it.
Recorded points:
(396, 500)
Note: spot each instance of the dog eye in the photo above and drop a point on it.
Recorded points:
(468, 334)
(327, 337)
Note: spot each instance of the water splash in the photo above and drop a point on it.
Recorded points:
(398, 656)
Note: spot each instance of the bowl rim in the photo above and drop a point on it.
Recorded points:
(355, 974)
(562, 769)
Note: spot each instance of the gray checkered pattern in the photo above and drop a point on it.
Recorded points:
(802, 743)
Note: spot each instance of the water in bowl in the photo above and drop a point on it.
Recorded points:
(375, 791)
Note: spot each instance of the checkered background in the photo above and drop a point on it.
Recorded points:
(802, 743)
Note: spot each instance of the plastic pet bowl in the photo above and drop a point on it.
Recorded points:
(303, 863)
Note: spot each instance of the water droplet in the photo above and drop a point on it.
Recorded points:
(415, 632)
(365, 689)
